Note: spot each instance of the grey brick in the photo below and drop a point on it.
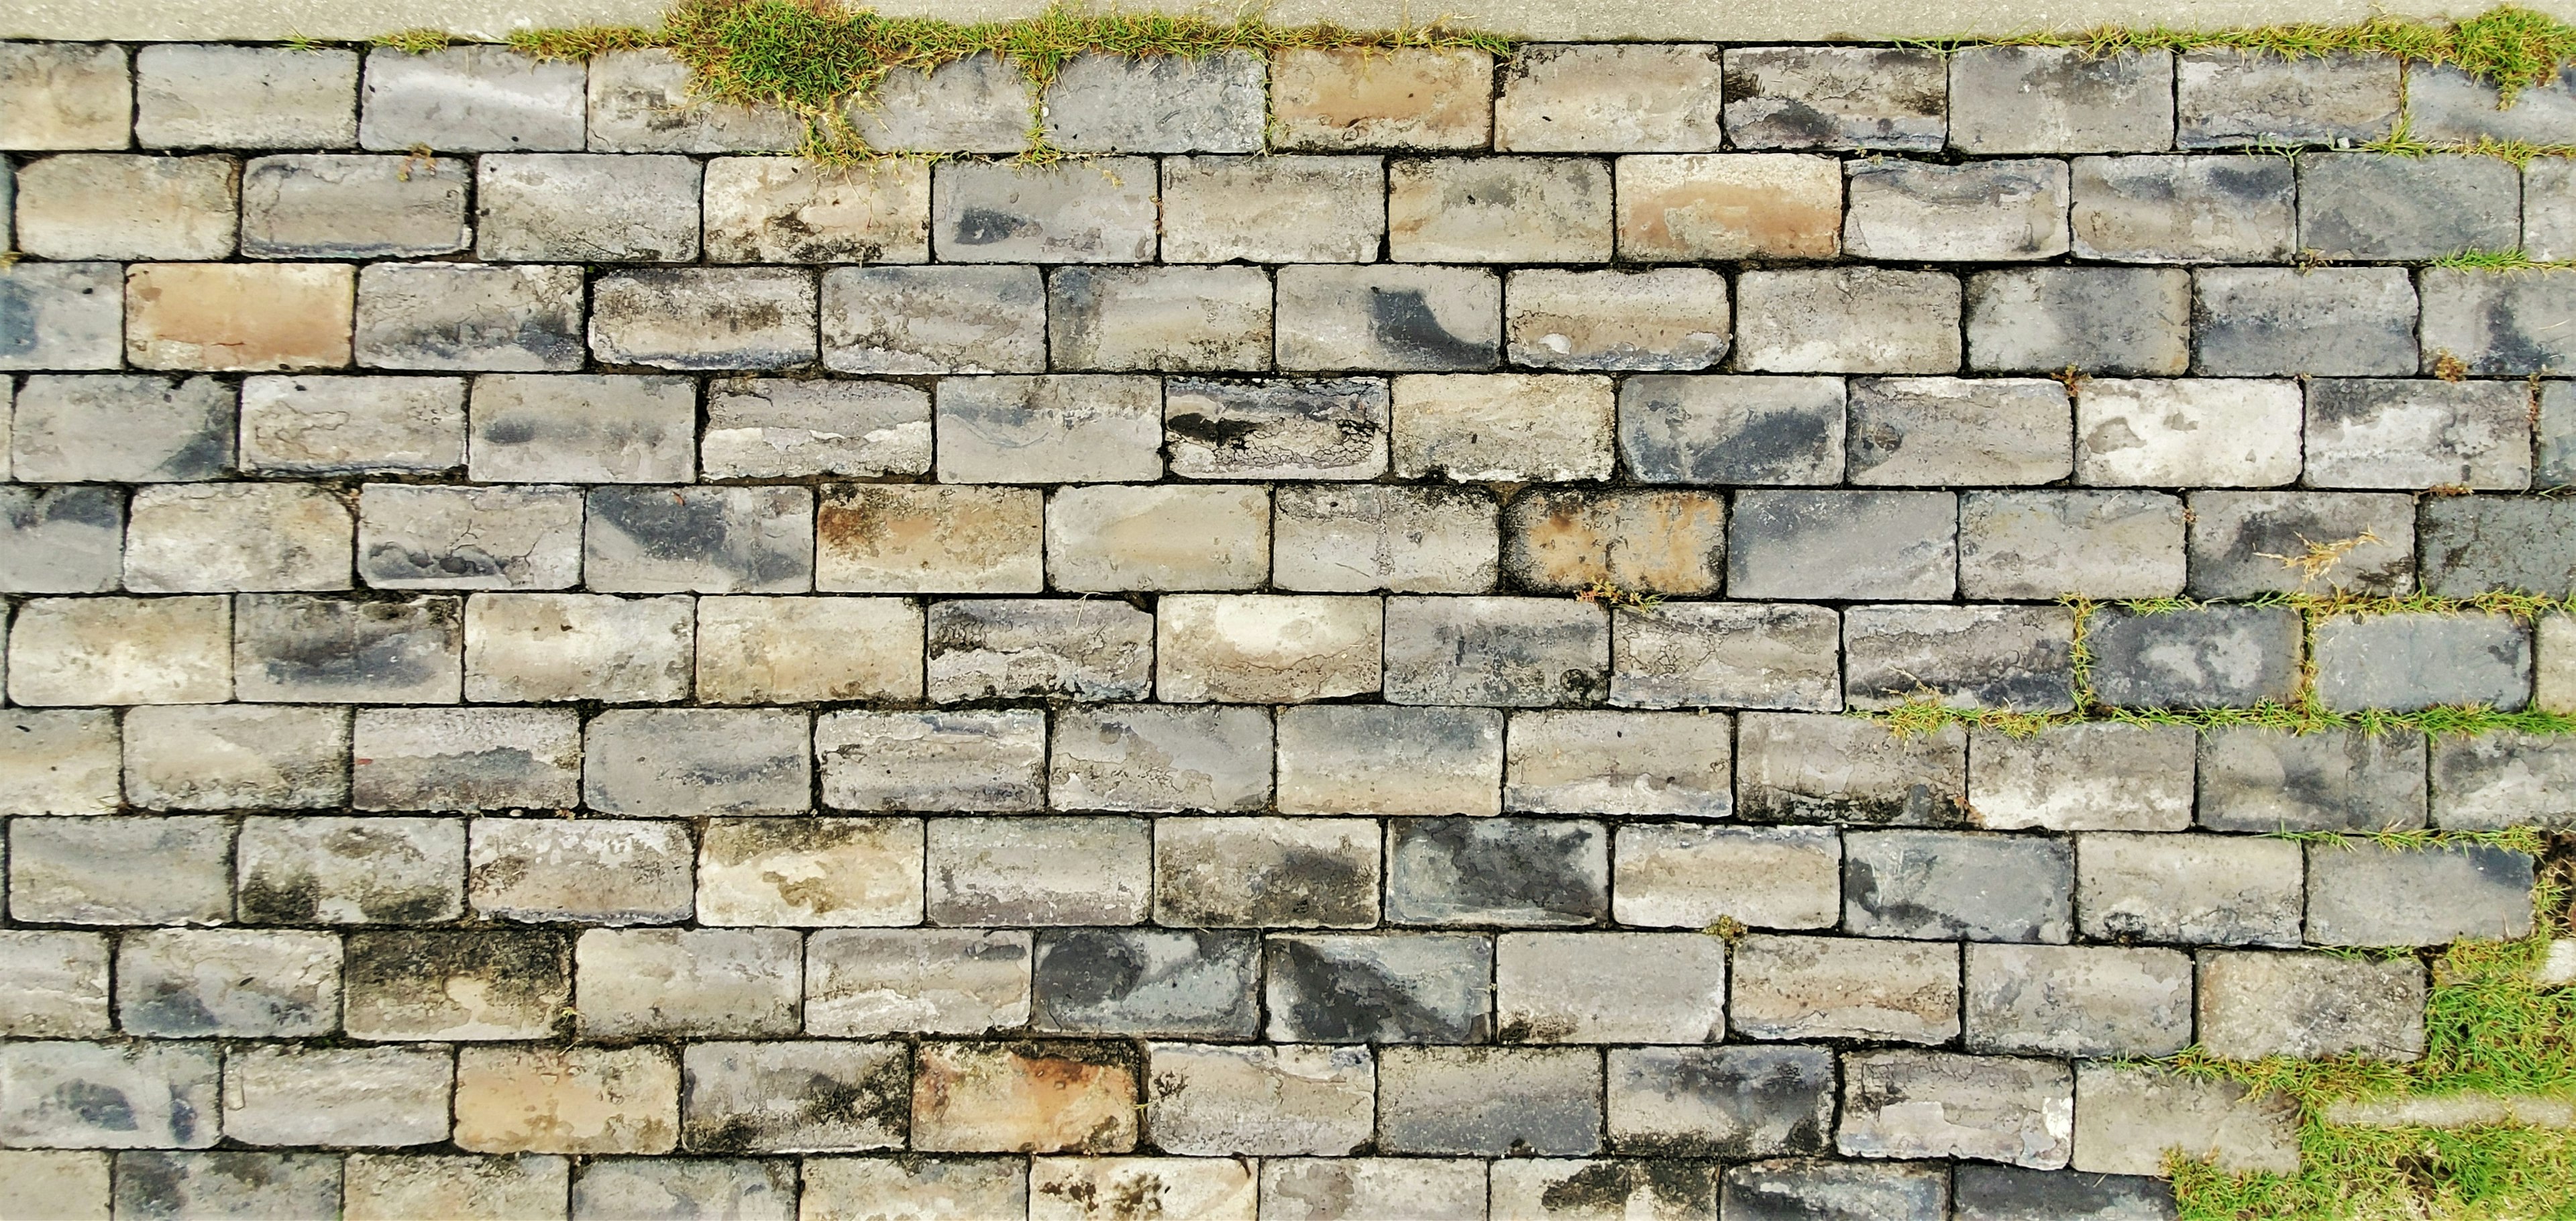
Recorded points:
(1379, 988)
(2378, 206)
(417, 984)
(1732, 430)
(934, 320)
(704, 318)
(1058, 429)
(2078, 1000)
(1570, 1187)
(2082, 777)
(783, 428)
(2557, 425)
(1949, 431)
(1847, 320)
(1691, 875)
(338, 1096)
(783, 210)
(238, 983)
(1792, 768)
(57, 984)
(289, 647)
(586, 208)
(2012, 657)
(1093, 211)
(1712, 654)
(1503, 427)
(120, 870)
(2326, 321)
(1315, 1189)
(640, 101)
(2364, 894)
(793, 1097)
(465, 317)
(979, 104)
(1283, 209)
(2127, 1118)
(228, 1183)
(2049, 544)
(1794, 1189)
(1721, 1101)
(2105, 319)
(594, 871)
(207, 537)
(62, 540)
(1266, 872)
(2185, 209)
(2407, 662)
(120, 206)
(2447, 103)
(1363, 759)
(1845, 987)
(2191, 889)
(1995, 1108)
(811, 872)
(1511, 652)
(1372, 97)
(549, 648)
(665, 1188)
(1158, 104)
(1498, 210)
(121, 651)
(1172, 536)
(677, 982)
(2191, 433)
(62, 316)
(1274, 429)
(2226, 98)
(2206, 657)
(2549, 209)
(323, 205)
(121, 428)
(931, 981)
(1142, 758)
(2009, 99)
(468, 538)
(1362, 538)
(352, 425)
(1843, 545)
(1169, 319)
(1944, 884)
(2471, 544)
(2255, 779)
(2009, 1193)
(1086, 869)
(1521, 872)
(1009, 648)
(1644, 541)
(60, 761)
(236, 757)
(1636, 763)
(1390, 318)
(312, 870)
(111, 1095)
(2498, 324)
(986, 759)
(471, 99)
(65, 95)
(1575, 97)
(2504, 779)
(2310, 1005)
(1262, 1100)
(1837, 97)
(924, 538)
(1150, 982)
(2243, 543)
(704, 540)
(505, 1186)
(1983, 211)
(1489, 1100)
(1609, 987)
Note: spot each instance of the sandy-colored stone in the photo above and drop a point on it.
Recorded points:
(919, 538)
(59, 762)
(1100, 1189)
(581, 1100)
(1645, 541)
(2126, 1118)
(802, 650)
(1265, 648)
(822, 871)
(1372, 97)
(121, 651)
(1815, 987)
(790, 210)
(1610, 98)
(116, 206)
(1688, 208)
(239, 317)
(382, 1187)
(1158, 538)
(1025, 1098)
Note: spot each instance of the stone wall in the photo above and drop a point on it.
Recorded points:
(560, 663)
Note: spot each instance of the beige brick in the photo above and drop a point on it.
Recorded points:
(841, 872)
(1266, 648)
(2556, 673)
(1503, 427)
(1659, 542)
(1609, 97)
(2126, 1118)
(582, 1100)
(1025, 1098)
(121, 651)
(239, 317)
(801, 650)
(115, 206)
(530, 648)
(1173, 537)
(62, 1184)
(1371, 97)
(384, 1187)
(219, 537)
(687, 982)
(1273, 209)
(1684, 209)
(1846, 987)
(790, 210)
(62, 762)
(1202, 1188)
(64, 95)
(899, 538)
(916, 1188)
(1498, 210)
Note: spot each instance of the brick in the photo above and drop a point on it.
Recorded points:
(653, 1187)
(1831, 769)
(2499, 780)
(1499, 210)
(1647, 541)
(1495, 651)
(1961, 656)
(931, 981)
(1063, 428)
(2244, 543)
(237, 983)
(2554, 677)
(712, 540)
(1171, 319)
(110, 1096)
(2549, 209)
(2206, 657)
(2445, 103)
(1679, 875)
(2497, 324)
(1837, 97)
(1362, 538)
(1276, 429)
(704, 318)
(61, 316)
(412, 537)
(1843, 545)
(1099, 211)
(979, 104)
(196, 316)
(1379, 988)
(2310, 1005)
(310, 870)
(1940, 1104)
(123, 429)
(2325, 322)
(62, 540)
(2049, 544)
(586, 428)
(1428, 1189)
(1945, 884)
(1948, 431)
(2378, 206)
(2086, 777)
(385, 1188)
(227, 1183)
(1503, 427)
(1290, 209)
(1666, 318)
(778, 428)
(1085, 869)
(321, 205)
(381, 1096)
(2192, 889)
(1146, 759)
(2204, 209)
(2107, 319)
(2187, 433)
(352, 425)
(450, 316)
(2364, 894)
(1982, 211)
(2009, 1193)
(678, 982)
(120, 870)
(780, 210)
(235, 756)
(972, 1097)
(973, 1187)
(1845, 987)
(1370, 97)
(1265, 648)
(568, 207)
(2078, 1000)
(2007, 99)
(213, 537)
(1609, 988)
(65, 95)
(910, 538)
(2255, 779)
(2225, 98)
(1489, 1100)
(289, 647)
(1158, 104)
(577, 1100)
(595, 871)
(2413, 661)
(1267, 1101)
(640, 102)
(934, 758)
(57, 984)
(1568, 1187)
(59, 762)
(812, 872)
(1403, 319)
(2127, 1118)
(1266, 872)
(74, 1184)
(1160, 538)
(1524, 872)
(2471, 544)
(467, 985)
(1847, 320)
(1359, 759)
(1635, 763)
(802, 650)
(1721, 1101)
(544, 648)
(120, 651)
(120, 206)
(1063, 1189)
(1639, 98)
(934, 320)
(1003, 648)
(1732, 430)
(694, 762)
(1795, 1187)
(471, 99)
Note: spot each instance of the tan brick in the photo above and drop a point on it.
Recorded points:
(567, 1100)
(64, 95)
(1503, 427)
(1729, 206)
(239, 317)
(1025, 1098)
(1498, 210)
(901, 538)
(114, 206)
(1173, 537)
(1266, 648)
(1661, 542)
(1370, 97)
(799, 650)
(1608, 97)
(121, 651)
(383, 1187)
(820, 871)
(1845, 987)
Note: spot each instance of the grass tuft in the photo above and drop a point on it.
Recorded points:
(2515, 48)
(419, 40)
(2501, 261)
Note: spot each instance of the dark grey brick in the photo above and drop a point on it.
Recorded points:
(685, 762)
(1527, 872)
(1489, 1100)
(1797, 768)
(2208, 657)
(2471, 544)
(2077, 1000)
(2407, 662)
(1014, 648)
(2382, 206)
(290, 647)
(2365, 894)
(2060, 100)
(1234, 871)
(700, 540)
(1276, 429)
(1843, 545)
(2015, 657)
(2245, 543)
(1509, 652)
(2094, 319)
(1836, 97)
(155, 1185)
(61, 540)
(2326, 321)
(1940, 885)
(1952, 431)
(2557, 424)
(1803, 1189)
(1146, 982)
(2185, 209)
(1380, 988)
(2255, 779)
(1730, 1102)
(2011, 1193)
(2499, 324)
(1732, 430)
(1577, 1187)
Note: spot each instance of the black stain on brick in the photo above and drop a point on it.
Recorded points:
(1401, 321)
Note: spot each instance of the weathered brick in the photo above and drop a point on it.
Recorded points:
(2193, 889)
(1063, 428)
(567, 1099)
(1665, 318)
(1729, 206)
(289, 647)
(640, 101)
(1164, 319)
(579, 207)
(1266, 872)
(1041, 1097)
(465, 985)
(1388, 318)
(784, 428)
(1983, 211)
(56, 984)
(2204, 657)
(1085, 869)
(1371, 97)
(467, 316)
(2085, 777)
(1489, 1100)
(976, 1186)
(2095, 1001)
(471, 99)
(2554, 675)
(122, 206)
(1681, 875)
(1606, 97)
(1167, 537)
(2497, 324)
(802, 650)
(913, 538)
(1265, 648)
(1786, 544)
(1845, 987)
(2127, 1118)
(1361, 538)
(979, 104)
(2549, 209)
(695, 762)
(1319, 1189)
(1362, 759)
(1210, 103)
(1503, 427)
(110, 1095)
(1525, 872)
(703, 540)
(206, 537)
(382, 1096)
(1941, 1104)
(1609, 988)
(350, 870)
(121, 651)
(201, 316)
(1950, 431)
(1944, 884)
(1637, 763)
(2364, 894)
(379, 1187)
(2407, 662)
(61, 540)
(74, 1184)
(2245, 543)
(2049, 544)
(122, 429)
(2325, 321)
(1645, 541)
(352, 425)
(1793, 768)
(1962, 656)
(235, 757)
(2104, 319)
(2448, 103)
(929, 981)
(1732, 430)
(1572, 1187)
(1723, 1101)
(1147, 759)
(781, 210)
(2009, 99)
(1010, 648)
(2310, 1005)
(1289, 209)
(2225, 98)
(811, 872)
(2189, 433)
(1267, 1101)
(1799, 1187)
(2502, 779)
(752, 1190)
(934, 320)
(64, 95)
(62, 316)
(1847, 320)
(322, 205)
(120, 870)
(1499, 210)
(1096, 211)
(227, 1183)
(237, 983)
(2378, 206)
(59, 762)
(704, 318)
(1837, 97)
(2010, 1193)
(2471, 544)
(1276, 429)
(677, 982)
(2254, 779)
(2184, 209)
(413, 537)
(594, 871)
(544, 648)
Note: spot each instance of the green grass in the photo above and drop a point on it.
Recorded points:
(419, 40)
(2501, 261)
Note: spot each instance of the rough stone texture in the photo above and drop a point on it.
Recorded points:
(115, 206)
(1945, 884)
(1085, 869)
(192, 316)
(2060, 100)
(1984, 211)
(896, 538)
(1687, 208)
(1266, 872)
(2499, 780)
(1979, 657)
(1947, 431)
(1797, 1188)
(1899, 545)
(1411, 319)
(2048, 544)
(2369, 433)
(2187, 433)
(2326, 322)
(1269, 1101)
(1847, 320)
(1520, 871)
(1275, 429)
(65, 96)
(2210, 657)
(127, 429)
(2078, 1000)
(1670, 318)
(2100, 319)
(1181, 319)
(1489, 1100)
(1609, 988)
(2480, 543)
(2495, 324)
(1006, 648)
(774, 210)
(2258, 1004)
(470, 317)
(934, 320)
(1498, 210)
(2374, 896)
(1408, 97)
(2089, 777)
(1353, 988)
(1136, 757)
(1160, 104)
(2411, 661)
(2247, 543)
(1366, 537)
(559, 647)
(1831, 769)
(1837, 97)
(2126, 1118)
(2190, 889)
(2376, 206)
(324, 205)
(1738, 655)
(1690, 876)
(2184, 209)
(1659, 542)
(2266, 780)
(961, 760)
(470, 99)
(1390, 760)
(1597, 98)
(1825, 987)
(1094, 211)
(1173, 537)
(1940, 1104)
(1492, 651)
(2225, 98)
(1732, 430)
(1063, 428)
(583, 428)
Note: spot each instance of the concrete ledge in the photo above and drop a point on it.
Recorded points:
(1608, 20)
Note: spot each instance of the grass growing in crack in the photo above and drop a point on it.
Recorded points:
(419, 40)
(2528, 840)
(2501, 261)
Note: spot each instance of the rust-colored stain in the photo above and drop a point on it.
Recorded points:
(1733, 218)
(1657, 542)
